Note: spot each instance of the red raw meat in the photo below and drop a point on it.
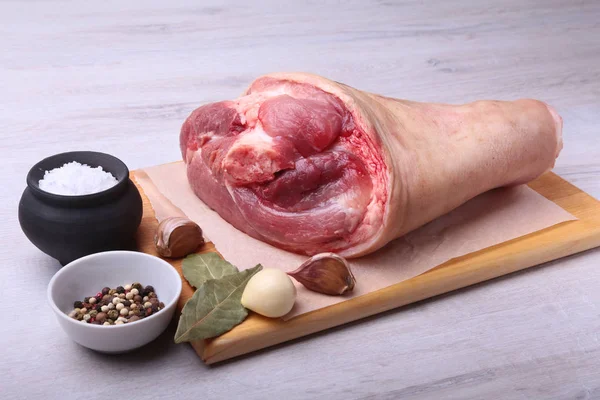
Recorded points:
(311, 165)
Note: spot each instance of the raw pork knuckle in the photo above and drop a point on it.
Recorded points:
(311, 165)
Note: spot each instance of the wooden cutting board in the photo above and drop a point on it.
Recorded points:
(258, 332)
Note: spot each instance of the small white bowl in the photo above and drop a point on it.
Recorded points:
(86, 276)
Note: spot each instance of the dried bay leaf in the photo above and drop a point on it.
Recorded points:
(215, 307)
(199, 268)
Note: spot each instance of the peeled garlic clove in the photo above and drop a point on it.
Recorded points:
(177, 237)
(270, 292)
(325, 273)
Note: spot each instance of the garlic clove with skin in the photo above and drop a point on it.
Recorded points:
(325, 273)
(177, 237)
(270, 293)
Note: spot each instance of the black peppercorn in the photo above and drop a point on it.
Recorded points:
(86, 299)
(126, 303)
(78, 304)
(105, 290)
(120, 289)
(137, 286)
(147, 290)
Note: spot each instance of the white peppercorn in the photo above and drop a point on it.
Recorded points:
(92, 300)
(83, 310)
(119, 322)
(111, 306)
(119, 306)
(129, 296)
(104, 309)
(124, 311)
(147, 304)
(116, 301)
(127, 287)
(135, 291)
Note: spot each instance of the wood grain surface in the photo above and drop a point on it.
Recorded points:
(121, 76)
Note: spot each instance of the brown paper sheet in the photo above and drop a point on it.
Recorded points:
(489, 219)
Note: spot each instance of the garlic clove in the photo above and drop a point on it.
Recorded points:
(177, 237)
(325, 273)
(270, 292)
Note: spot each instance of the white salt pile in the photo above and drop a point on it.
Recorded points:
(75, 179)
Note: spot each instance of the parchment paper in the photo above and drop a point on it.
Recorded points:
(489, 219)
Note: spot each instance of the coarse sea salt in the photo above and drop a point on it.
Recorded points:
(75, 179)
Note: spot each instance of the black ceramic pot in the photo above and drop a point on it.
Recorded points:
(70, 227)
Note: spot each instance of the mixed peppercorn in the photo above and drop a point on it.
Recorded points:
(118, 306)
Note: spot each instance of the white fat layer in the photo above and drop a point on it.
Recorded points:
(190, 154)
(346, 201)
(248, 106)
(209, 134)
(255, 137)
(277, 91)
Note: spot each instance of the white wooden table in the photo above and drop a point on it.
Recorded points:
(121, 76)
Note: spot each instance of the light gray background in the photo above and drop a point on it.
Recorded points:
(121, 76)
